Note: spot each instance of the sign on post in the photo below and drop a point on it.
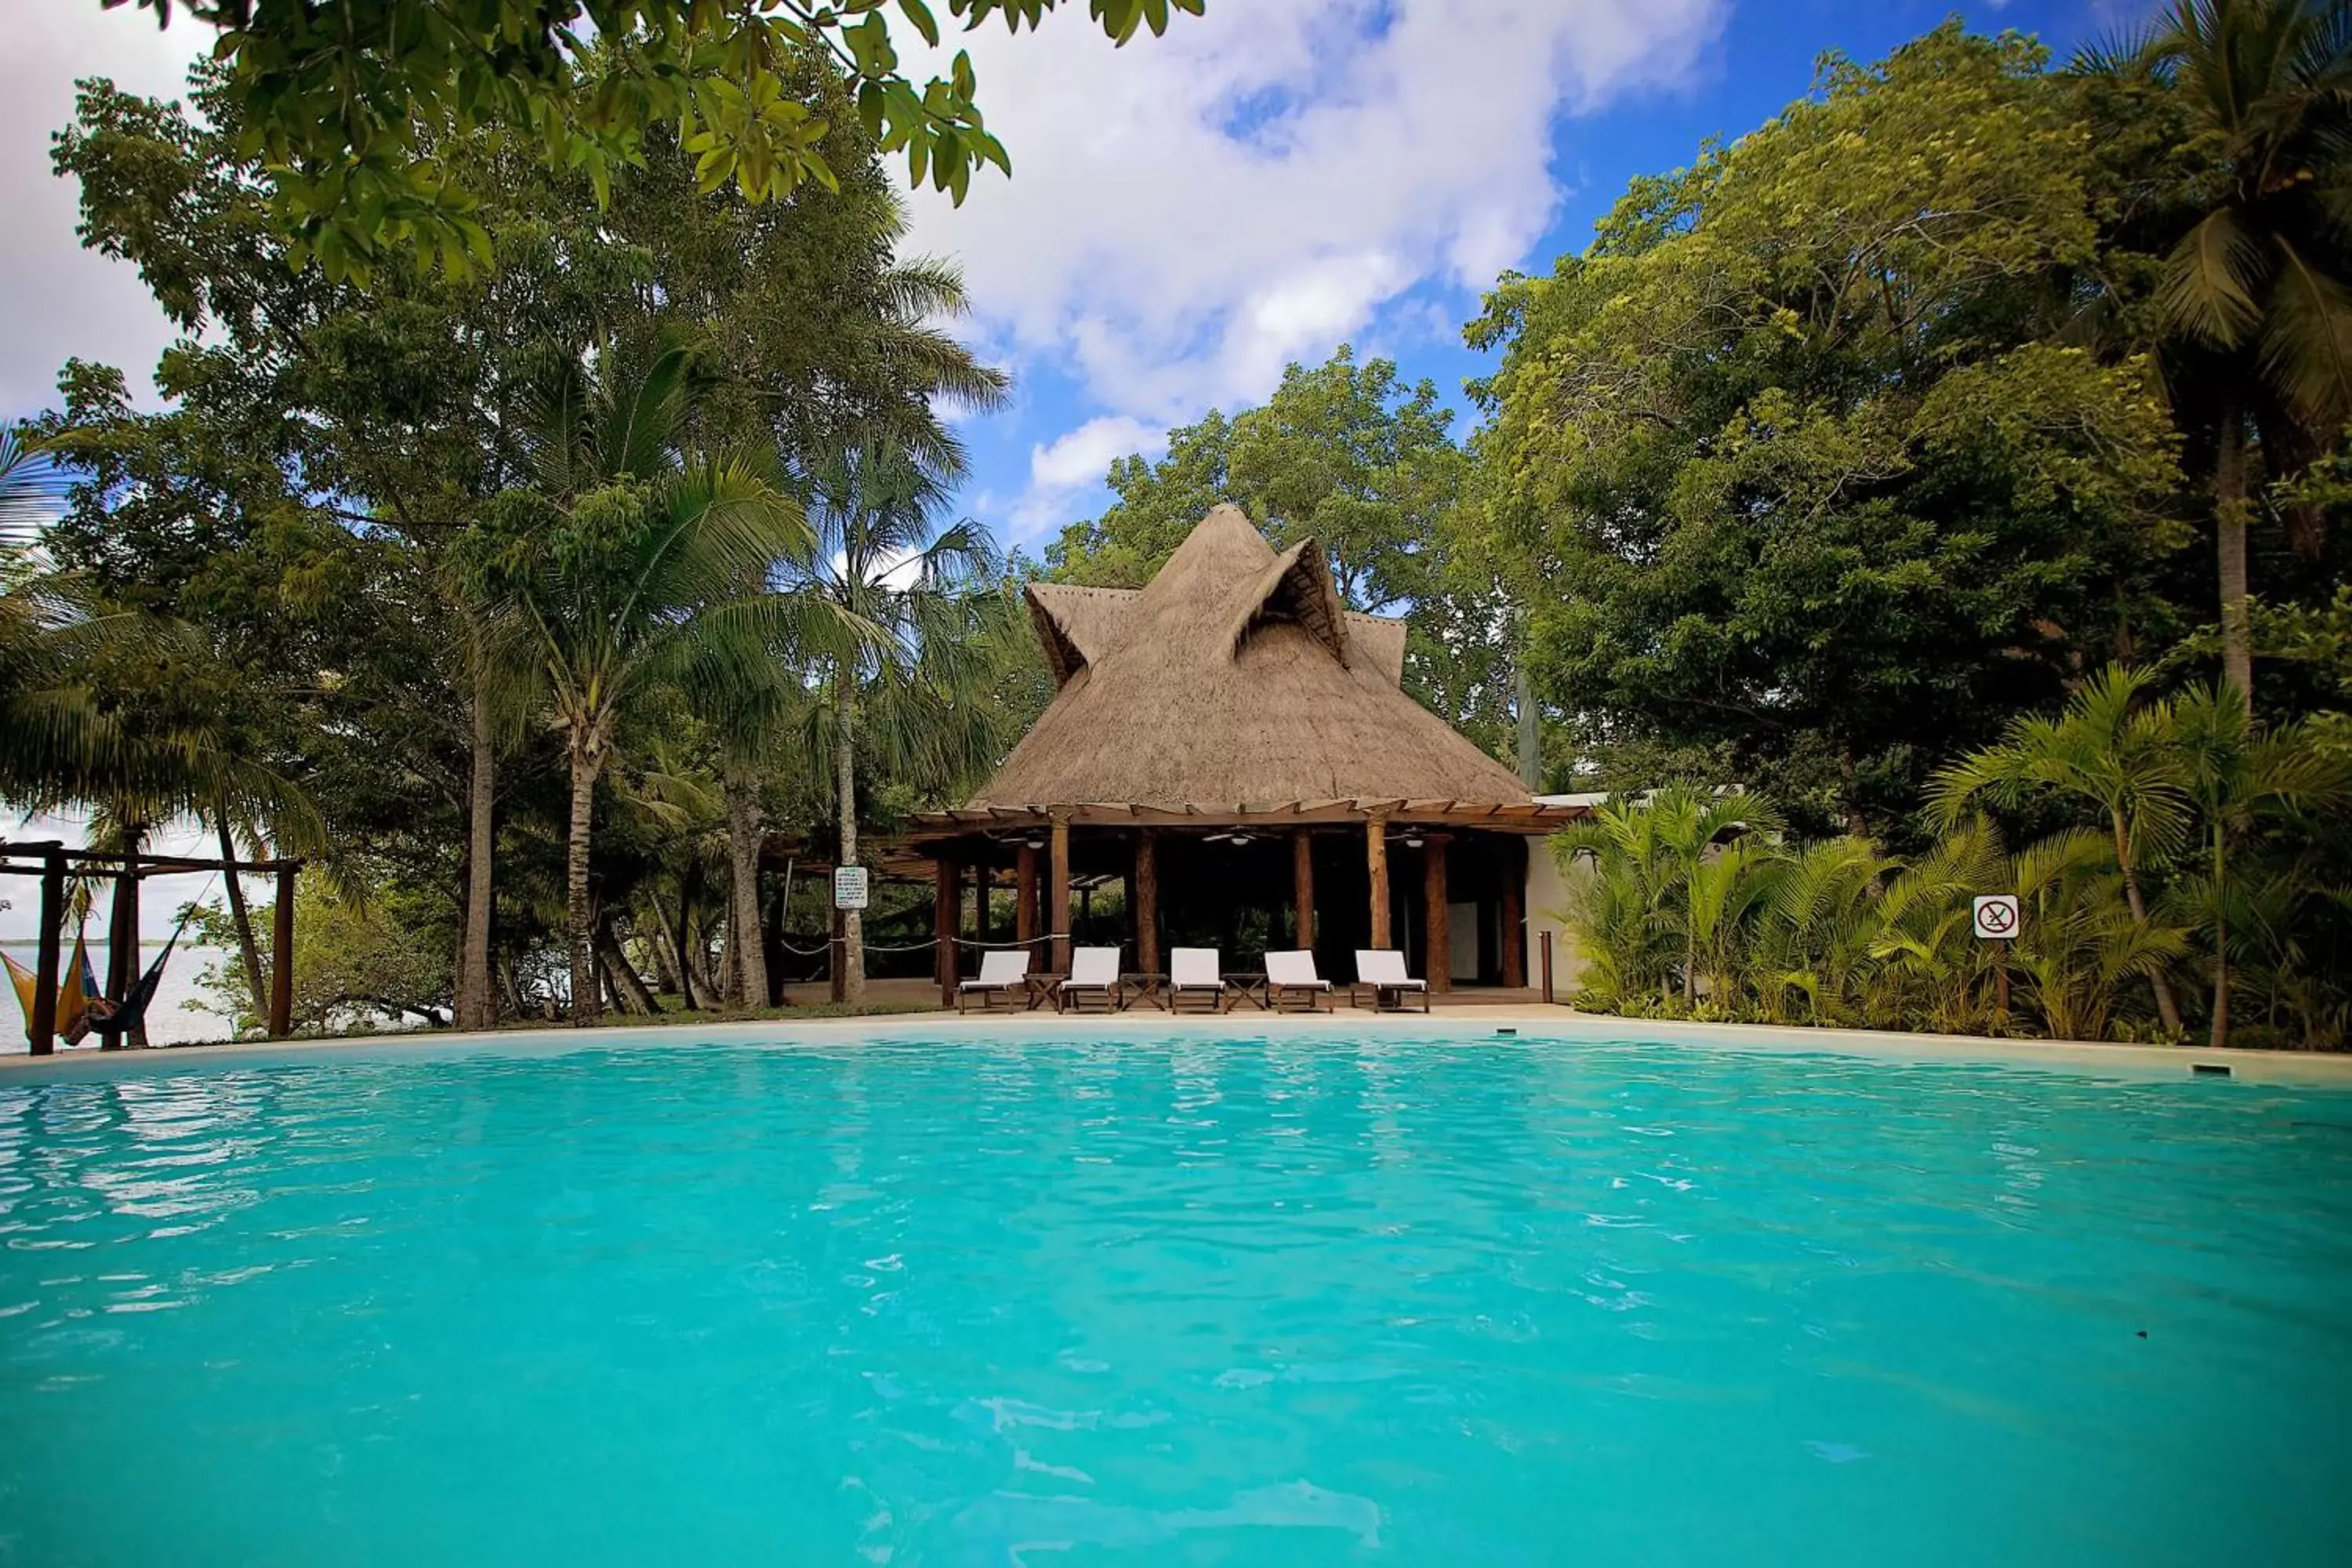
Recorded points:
(1997, 916)
(849, 887)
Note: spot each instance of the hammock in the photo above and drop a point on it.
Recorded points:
(131, 1009)
(73, 997)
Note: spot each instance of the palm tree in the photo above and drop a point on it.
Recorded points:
(2077, 942)
(2237, 772)
(2110, 751)
(626, 563)
(1618, 876)
(886, 588)
(2253, 293)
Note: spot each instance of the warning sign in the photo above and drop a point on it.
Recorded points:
(1997, 916)
(849, 887)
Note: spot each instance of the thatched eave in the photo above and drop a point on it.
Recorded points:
(1298, 587)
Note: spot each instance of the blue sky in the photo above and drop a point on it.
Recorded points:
(1517, 138)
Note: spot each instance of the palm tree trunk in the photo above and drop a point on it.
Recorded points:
(248, 949)
(474, 1009)
(2167, 1010)
(749, 963)
(681, 952)
(2220, 1035)
(2230, 508)
(587, 1002)
(628, 987)
(844, 781)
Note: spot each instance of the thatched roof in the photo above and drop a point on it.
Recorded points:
(1236, 682)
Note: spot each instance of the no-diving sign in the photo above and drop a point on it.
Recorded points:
(1997, 916)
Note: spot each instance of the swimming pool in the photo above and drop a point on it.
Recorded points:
(1171, 1299)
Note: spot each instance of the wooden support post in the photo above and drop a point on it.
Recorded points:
(836, 968)
(281, 958)
(1024, 899)
(946, 895)
(1515, 918)
(43, 1034)
(1376, 860)
(1546, 966)
(1147, 901)
(1058, 909)
(123, 928)
(1437, 916)
(1302, 886)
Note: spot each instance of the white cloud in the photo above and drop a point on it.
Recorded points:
(1073, 462)
(66, 301)
(1191, 213)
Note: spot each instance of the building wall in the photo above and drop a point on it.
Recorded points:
(1547, 902)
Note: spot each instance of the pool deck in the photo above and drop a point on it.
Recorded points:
(1462, 1017)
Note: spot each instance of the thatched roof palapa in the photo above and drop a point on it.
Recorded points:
(1236, 683)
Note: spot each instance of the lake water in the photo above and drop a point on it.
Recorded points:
(1318, 1300)
(171, 1019)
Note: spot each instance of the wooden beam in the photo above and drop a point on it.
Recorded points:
(1515, 913)
(281, 958)
(1024, 899)
(42, 1036)
(1302, 885)
(1059, 912)
(1376, 860)
(1147, 901)
(947, 896)
(1437, 915)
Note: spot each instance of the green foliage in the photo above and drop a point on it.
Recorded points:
(357, 956)
(1685, 901)
(1826, 499)
(354, 107)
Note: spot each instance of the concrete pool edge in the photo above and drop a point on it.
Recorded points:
(1534, 1023)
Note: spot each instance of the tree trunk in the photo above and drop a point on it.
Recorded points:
(2167, 1010)
(845, 783)
(1530, 731)
(690, 973)
(2229, 509)
(628, 987)
(586, 1003)
(743, 930)
(474, 1005)
(2218, 1036)
(248, 949)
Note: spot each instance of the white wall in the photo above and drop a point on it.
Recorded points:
(1547, 899)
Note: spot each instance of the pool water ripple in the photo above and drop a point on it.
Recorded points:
(1209, 1301)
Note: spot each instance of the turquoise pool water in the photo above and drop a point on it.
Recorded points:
(1308, 1301)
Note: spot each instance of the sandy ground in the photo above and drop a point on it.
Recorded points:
(1465, 1016)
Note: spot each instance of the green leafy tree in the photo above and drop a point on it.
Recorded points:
(626, 562)
(2255, 293)
(880, 591)
(1785, 468)
(351, 105)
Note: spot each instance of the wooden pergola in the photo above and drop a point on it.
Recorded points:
(1132, 840)
(51, 861)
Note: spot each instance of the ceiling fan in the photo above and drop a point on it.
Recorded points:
(1234, 835)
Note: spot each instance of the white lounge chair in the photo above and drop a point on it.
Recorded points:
(1194, 972)
(1381, 971)
(1094, 971)
(1000, 972)
(1291, 977)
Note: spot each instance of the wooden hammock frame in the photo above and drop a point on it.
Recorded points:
(51, 861)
